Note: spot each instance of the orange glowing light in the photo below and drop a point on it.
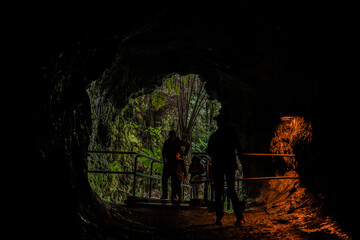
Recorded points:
(291, 131)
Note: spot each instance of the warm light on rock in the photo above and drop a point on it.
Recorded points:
(291, 131)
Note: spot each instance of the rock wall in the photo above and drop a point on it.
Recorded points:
(251, 62)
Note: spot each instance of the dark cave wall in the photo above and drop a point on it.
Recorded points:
(248, 64)
(62, 126)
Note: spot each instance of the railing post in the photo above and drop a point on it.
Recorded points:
(207, 178)
(151, 170)
(134, 185)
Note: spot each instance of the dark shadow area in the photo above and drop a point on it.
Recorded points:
(261, 60)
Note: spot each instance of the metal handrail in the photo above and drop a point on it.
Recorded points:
(251, 179)
(202, 154)
(151, 171)
(107, 172)
(135, 173)
(153, 159)
(208, 180)
(151, 177)
(269, 154)
(116, 152)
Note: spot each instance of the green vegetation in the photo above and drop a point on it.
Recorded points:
(142, 126)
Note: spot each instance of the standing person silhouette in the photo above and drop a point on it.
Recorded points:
(221, 148)
(172, 146)
(196, 169)
(177, 176)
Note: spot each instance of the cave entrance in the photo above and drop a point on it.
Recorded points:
(180, 103)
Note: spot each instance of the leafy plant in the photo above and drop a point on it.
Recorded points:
(180, 103)
(158, 100)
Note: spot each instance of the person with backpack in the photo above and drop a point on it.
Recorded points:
(177, 176)
(172, 146)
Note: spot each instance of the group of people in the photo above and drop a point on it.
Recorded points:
(223, 147)
(174, 151)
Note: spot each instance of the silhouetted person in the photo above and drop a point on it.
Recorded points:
(221, 148)
(196, 169)
(177, 176)
(171, 147)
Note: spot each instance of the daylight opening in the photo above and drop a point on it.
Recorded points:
(180, 103)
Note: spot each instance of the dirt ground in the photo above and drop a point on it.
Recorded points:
(284, 211)
(196, 223)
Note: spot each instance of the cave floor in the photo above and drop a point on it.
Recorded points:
(197, 223)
